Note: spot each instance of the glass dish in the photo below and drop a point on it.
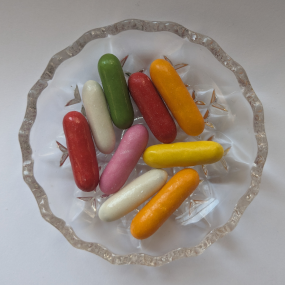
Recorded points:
(233, 117)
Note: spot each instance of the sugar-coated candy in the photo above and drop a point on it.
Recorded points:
(151, 217)
(176, 96)
(152, 107)
(116, 91)
(81, 151)
(124, 160)
(132, 195)
(98, 116)
(183, 154)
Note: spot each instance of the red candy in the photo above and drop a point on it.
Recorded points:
(152, 107)
(81, 151)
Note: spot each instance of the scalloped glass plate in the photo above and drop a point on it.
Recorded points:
(233, 117)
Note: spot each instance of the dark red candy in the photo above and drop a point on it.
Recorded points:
(81, 151)
(152, 107)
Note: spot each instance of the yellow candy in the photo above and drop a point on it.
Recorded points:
(183, 154)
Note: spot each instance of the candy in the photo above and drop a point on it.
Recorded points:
(132, 195)
(183, 154)
(124, 160)
(81, 151)
(98, 116)
(116, 91)
(151, 217)
(176, 96)
(152, 107)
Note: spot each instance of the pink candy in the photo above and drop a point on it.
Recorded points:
(124, 160)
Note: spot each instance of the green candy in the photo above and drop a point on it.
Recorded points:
(116, 91)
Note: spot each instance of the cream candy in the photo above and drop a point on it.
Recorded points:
(132, 195)
(98, 116)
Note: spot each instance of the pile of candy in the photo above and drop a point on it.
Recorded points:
(114, 105)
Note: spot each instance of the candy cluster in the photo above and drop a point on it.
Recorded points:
(113, 104)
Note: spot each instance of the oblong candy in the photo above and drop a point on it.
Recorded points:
(176, 96)
(116, 91)
(124, 160)
(132, 195)
(98, 116)
(152, 107)
(183, 154)
(81, 151)
(151, 217)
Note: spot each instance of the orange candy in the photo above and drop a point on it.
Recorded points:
(176, 96)
(151, 217)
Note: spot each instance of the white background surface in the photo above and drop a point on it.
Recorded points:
(31, 250)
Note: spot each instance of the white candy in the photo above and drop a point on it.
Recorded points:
(132, 195)
(98, 116)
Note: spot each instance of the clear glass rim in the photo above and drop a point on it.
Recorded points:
(74, 49)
